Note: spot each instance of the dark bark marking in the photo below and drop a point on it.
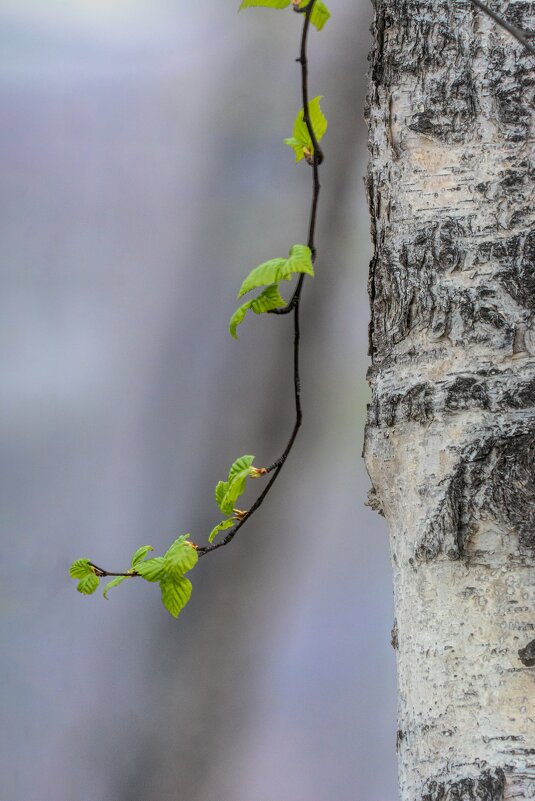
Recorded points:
(449, 530)
(516, 257)
(521, 397)
(527, 654)
(488, 786)
(509, 81)
(413, 405)
(511, 491)
(394, 642)
(406, 292)
(466, 393)
(419, 44)
(452, 111)
(373, 502)
(505, 469)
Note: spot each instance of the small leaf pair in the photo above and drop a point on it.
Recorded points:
(228, 492)
(301, 141)
(269, 274)
(83, 569)
(320, 12)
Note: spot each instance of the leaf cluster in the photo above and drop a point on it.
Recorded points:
(269, 274)
(168, 570)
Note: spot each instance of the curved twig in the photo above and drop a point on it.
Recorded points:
(292, 306)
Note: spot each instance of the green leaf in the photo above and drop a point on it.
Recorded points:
(238, 317)
(176, 593)
(270, 272)
(80, 568)
(320, 14)
(301, 139)
(233, 490)
(88, 584)
(220, 527)
(140, 554)
(152, 569)
(243, 463)
(269, 299)
(266, 3)
(299, 261)
(318, 18)
(227, 501)
(113, 583)
(220, 492)
(181, 557)
(228, 492)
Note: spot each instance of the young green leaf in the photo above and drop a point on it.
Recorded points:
(152, 569)
(80, 568)
(113, 583)
(269, 299)
(228, 492)
(299, 261)
(220, 527)
(235, 489)
(270, 272)
(227, 504)
(176, 592)
(181, 557)
(266, 3)
(320, 13)
(220, 492)
(88, 584)
(301, 140)
(140, 554)
(318, 18)
(242, 464)
(238, 317)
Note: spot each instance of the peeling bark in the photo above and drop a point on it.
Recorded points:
(450, 439)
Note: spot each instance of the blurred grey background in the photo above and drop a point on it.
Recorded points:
(143, 175)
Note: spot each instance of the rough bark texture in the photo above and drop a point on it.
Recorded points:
(450, 441)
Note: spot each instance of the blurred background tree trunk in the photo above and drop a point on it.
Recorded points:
(450, 441)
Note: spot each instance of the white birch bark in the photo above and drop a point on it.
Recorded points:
(450, 441)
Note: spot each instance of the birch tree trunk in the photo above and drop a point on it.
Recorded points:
(450, 440)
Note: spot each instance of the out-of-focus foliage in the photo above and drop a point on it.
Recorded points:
(320, 12)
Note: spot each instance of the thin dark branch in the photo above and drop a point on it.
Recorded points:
(520, 35)
(101, 573)
(292, 306)
(294, 303)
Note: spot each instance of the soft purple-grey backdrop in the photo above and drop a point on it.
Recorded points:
(143, 174)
